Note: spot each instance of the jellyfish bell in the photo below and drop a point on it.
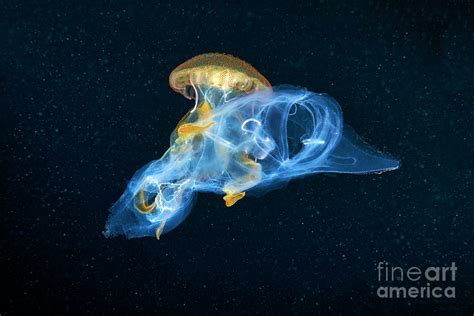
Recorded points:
(214, 78)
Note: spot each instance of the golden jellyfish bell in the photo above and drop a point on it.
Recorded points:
(219, 71)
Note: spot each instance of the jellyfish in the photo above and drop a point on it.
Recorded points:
(241, 136)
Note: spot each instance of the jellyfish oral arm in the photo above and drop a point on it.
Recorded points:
(250, 144)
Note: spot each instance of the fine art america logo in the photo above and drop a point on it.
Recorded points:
(428, 282)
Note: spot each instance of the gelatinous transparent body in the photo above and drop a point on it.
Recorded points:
(255, 141)
(240, 137)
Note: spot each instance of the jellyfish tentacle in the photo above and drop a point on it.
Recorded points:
(196, 96)
(231, 198)
(188, 130)
(140, 203)
(160, 228)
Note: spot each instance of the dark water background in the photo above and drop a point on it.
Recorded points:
(85, 102)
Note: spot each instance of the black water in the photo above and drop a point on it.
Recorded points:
(85, 102)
